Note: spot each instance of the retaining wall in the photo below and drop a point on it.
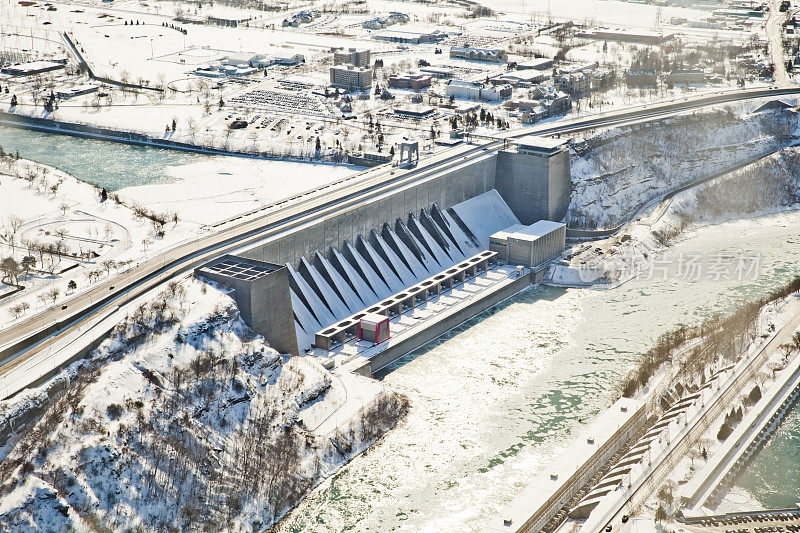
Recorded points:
(436, 329)
(445, 189)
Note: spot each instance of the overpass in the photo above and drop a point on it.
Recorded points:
(24, 340)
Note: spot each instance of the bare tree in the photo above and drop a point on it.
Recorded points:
(14, 223)
(53, 294)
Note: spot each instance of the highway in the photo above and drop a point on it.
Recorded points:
(26, 338)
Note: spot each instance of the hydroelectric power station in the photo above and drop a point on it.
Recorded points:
(427, 254)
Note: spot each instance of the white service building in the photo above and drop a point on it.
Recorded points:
(529, 246)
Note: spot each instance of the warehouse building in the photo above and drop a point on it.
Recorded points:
(410, 36)
(33, 68)
(438, 72)
(529, 246)
(626, 36)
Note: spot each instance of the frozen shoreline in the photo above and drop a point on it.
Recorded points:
(209, 191)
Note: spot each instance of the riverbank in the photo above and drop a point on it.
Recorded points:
(64, 236)
(51, 125)
(150, 426)
(494, 409)
(201, 188)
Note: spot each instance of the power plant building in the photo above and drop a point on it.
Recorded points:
(534, 178)
(310, 287)
(529, 246)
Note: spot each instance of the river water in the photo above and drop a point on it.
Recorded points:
(106, 164)
(496, 399)
(773, 475)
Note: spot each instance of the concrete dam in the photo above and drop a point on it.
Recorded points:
(292, 286)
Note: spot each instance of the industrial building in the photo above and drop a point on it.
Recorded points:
(409, 36)
(78, 90)
(290, 287)
(495, 55)
(529, 246)
(259, 288)
(686, 76)
(287, 60)
(33, 68)
(520, 78)
(626, 36)
(369, 158)
(534, 178)
(438, 72)
(373, 328)
(415, 111)
(358, 57)
(537, 63)
(351, 78)
(641, 78)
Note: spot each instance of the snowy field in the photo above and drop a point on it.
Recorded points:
(207, 192)
(70, 234)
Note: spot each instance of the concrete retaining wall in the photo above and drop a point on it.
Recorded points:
(444, 189)
(430, 332)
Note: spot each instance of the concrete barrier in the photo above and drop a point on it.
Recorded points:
(442, 326)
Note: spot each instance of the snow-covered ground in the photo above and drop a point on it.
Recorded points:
(617, 171)
(71, 234)
(182, 417)
(210, 191)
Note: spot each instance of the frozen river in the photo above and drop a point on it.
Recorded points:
(105, 164)
(496, 399)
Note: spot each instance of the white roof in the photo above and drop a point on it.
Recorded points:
(536, 141)
(528, 233)
(374, 318)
